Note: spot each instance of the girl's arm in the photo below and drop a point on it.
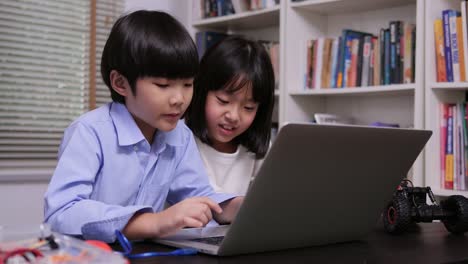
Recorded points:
(230, 209)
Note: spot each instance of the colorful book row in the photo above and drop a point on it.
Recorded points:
(357, 59)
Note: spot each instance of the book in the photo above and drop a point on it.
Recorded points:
(439, 51)
(454, 50)
(206, 39)
(464, 11)
(443, 141)
(386, 62)
(318, 63)
(395, 52)
(324, 118)
(447, 45)
(326, 62)
(377, 62)
(240, 6)
(344, 62)
(334, 62)
(309, 65)
(366, 57)
(449, 151)
(460, 44)
(407, 55)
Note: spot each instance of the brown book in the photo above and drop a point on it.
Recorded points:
(326, 63)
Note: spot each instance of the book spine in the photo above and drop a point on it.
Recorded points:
(382, 56)
(326, 62)
(319, 63)
(395, 51)
(447, 48)
(341, 61)
(387, 57)
(439, 51)
(366, 60)
(462, 164)
(455, 147)
(449, 151)
(464, 12)
(465, 133)
(308, 75)
(454, 46)
(443, 141)
(408, 54)
(353, 69)
(314, 63)
(347, 61)
(460, 44)
(334, 62)
(377, 66)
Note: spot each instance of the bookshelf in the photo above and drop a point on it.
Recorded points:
(261, 24)
(396, 103)
(435, 94)
(293, 23)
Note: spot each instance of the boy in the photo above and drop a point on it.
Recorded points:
(120, 163)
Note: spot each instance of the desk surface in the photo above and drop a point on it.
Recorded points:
(427, 243)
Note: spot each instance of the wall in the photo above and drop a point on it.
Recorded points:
(21, 203)
(177, 8)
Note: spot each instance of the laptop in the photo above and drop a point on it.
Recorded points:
(319, 184)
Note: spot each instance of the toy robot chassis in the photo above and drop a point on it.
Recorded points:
(409, 206)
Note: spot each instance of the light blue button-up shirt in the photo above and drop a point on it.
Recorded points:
(107, 171)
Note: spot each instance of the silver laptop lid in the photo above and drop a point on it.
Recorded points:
(322, 184)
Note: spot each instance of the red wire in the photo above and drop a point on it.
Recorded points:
(19, 251)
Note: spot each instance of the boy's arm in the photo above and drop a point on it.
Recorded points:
(68, 206)
(192, 212)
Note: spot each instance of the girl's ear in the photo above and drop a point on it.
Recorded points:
(119, 83)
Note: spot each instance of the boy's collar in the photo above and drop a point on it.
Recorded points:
(128, 132)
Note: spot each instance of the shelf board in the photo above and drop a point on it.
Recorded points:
(449, 85)
(444, 192)
(370, 90)
(330, 7)
(247, 20)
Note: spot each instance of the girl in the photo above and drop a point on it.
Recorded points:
(231, 111)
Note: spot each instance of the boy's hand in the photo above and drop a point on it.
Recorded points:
(192, 212)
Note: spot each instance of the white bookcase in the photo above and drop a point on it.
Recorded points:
(436, 93)
(293, 23)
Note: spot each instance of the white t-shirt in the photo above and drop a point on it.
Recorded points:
(229, 172)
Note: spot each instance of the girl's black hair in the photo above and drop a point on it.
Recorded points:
(231, 64)
(148, 44)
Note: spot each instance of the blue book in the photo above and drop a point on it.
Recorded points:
(206, 39)
(386, 62)
(335, 58)
(447, 45)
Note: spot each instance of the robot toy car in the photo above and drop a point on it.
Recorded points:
(409, 206)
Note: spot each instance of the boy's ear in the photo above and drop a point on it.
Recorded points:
(119, 83)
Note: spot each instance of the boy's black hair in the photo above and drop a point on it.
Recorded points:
(231, 64)
(148, 44)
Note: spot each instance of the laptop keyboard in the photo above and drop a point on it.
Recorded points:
(210, 240)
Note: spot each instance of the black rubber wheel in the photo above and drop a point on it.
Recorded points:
(397, 215)
(458, 204)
